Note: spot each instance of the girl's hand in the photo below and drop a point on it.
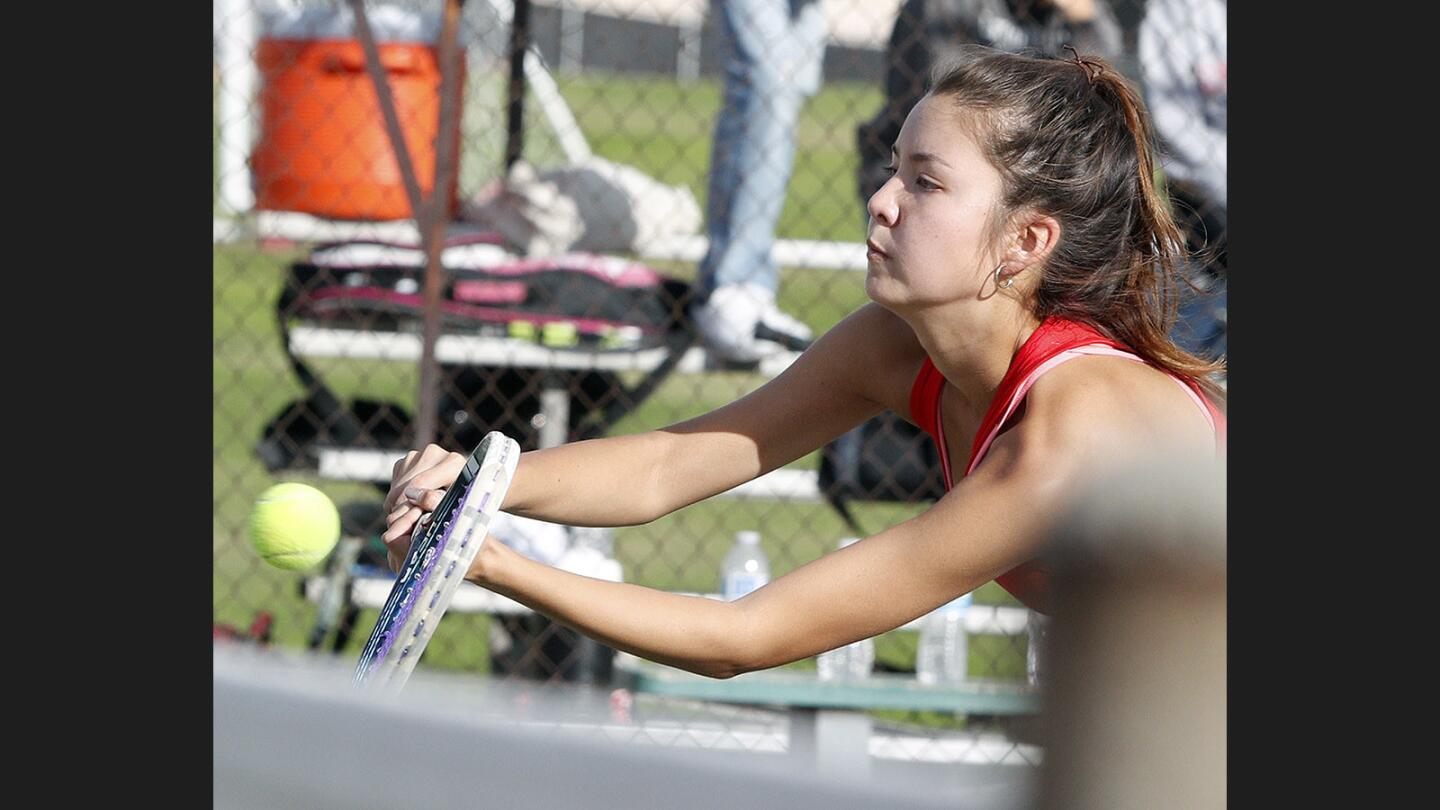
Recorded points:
(424, 475)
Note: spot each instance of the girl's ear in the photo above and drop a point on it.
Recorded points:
(1035, 238)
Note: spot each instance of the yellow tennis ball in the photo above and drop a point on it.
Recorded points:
(293, 526)
(559, 334)
(521, 330)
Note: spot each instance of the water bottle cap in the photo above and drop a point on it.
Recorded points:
(748, 538)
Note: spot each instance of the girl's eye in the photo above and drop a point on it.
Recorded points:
(925, 183)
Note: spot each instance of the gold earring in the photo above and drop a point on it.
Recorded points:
(1006, 284)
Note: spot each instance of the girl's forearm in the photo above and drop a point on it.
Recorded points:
(600, 482)
(693, 633)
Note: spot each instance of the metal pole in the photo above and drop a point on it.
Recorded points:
(687, 59)
(436, 217)
(387, 107)
(239, 76)
(572, 38)
(519, 41)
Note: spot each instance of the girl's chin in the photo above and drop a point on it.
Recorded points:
(877, 287)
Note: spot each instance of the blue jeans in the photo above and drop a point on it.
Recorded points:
(774, 54)
(1203, 323)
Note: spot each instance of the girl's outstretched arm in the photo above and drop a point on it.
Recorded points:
(993, 520)
(850, 374)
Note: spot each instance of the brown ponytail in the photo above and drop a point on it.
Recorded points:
(1071, 137)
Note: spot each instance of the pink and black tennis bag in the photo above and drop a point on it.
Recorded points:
(608, 305)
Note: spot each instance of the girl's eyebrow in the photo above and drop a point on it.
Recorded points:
(922, 157)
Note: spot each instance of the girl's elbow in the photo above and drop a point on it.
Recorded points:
(658, 499)
(722, 672)
(718, 668)
(751, 656)
(730, 667)
(738, 647)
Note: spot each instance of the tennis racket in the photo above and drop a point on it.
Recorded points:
(440, 554)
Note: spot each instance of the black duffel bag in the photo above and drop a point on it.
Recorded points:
(883, 459)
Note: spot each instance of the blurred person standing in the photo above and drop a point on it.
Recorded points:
(928, 32)
(1183, 71)
(774, 51)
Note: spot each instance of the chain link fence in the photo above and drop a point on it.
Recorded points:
(319, 275)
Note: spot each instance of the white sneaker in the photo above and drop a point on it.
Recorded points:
(741, 323)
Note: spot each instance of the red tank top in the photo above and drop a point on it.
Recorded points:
(1056, 341)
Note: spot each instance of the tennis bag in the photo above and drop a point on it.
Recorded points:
(577, 301)
(606, 303)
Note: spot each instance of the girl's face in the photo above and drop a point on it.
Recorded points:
(929, 235)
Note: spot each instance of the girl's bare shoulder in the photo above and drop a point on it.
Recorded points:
(1114, 405)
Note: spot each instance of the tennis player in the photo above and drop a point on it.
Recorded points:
(1022, 279)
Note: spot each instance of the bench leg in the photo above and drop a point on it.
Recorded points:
(836, 742)
(555, 406)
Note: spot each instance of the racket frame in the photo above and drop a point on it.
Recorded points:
(436, 564)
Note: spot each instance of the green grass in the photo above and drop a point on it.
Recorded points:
(663, 128)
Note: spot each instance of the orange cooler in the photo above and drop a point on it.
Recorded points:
(323, 149)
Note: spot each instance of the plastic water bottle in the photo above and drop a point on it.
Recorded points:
(583, 659)
(745, 568)
(854, 660)
(591, 554)
(943, 656)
